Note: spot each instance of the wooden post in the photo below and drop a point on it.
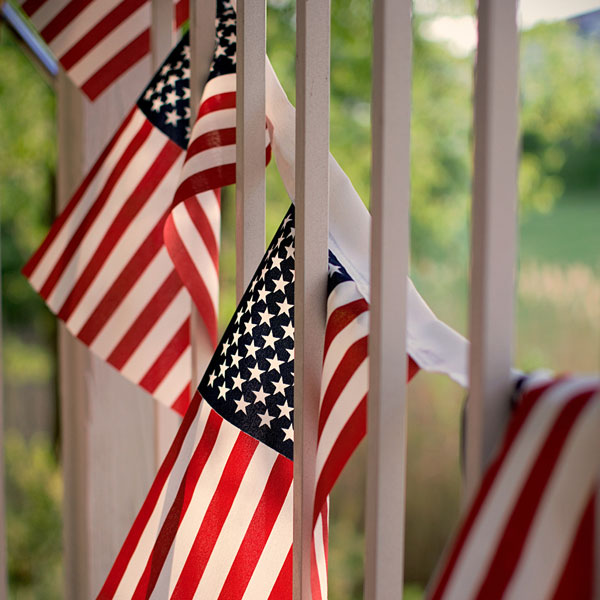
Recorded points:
(312, 229)
(494, 227)
(390, 230)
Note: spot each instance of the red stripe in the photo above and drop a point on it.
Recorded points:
(194, 283)
(100, 30)
(215, 516)
(131, 207)
(283, 584)
(32, 6)
(259, 530)
(183, 401)
(577, 579)
(209, 140)
(209, 179)
(117, 65)
(179, 507)
(341, 318)
(121, 286)
(347, 366)
(74, 202)
(516, 530)
(168, 357)
(182, 12)
(216, 102)
(325, 521)
(135, 533)
(198, 217)
(90, 218)
(314, 572)
(63, 19)
(348, 439)
(155, 307)
(514, 427)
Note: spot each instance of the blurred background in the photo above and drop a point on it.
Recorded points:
(558, 298)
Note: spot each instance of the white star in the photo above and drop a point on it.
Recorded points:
(172, 118)
(185, 73)
(250, 305)
(289, 251)
(148, 94)
(276, 260)
(232, 58)
(248, 327)
(288, 330)
(293, 272)
(251, 349)
(287, 219)
(238, 317)
(285, 410)
(211, 379)
(255, 373)
(265, 419)
(270, 340)
(236, 336)
(177, 65)
(333, 269)
(237, 382)
(264, 271)
(262, 295)
(223, 368)
(280, 284)
(253, 284)
(241, 405)
(223, 389)
(186, 52)
(235, 359)
(265, 317)
(172, 98)
(225, 347)
(279, 387)
(229, 23)
(159, 86)
(166, 68)
(292, 232)
(259, 396)
(186, 94)
(289, 433)
(284, 307)
(173, 79)
(220, 51)
(230, 38)
(274, 363)
(157, 104)
(290, 351)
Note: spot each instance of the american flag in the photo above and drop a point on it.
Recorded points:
(217, 522)
(96, 41)
(529, 532)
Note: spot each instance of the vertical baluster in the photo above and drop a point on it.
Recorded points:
(494, 223)
(312, 212)
(390, 198)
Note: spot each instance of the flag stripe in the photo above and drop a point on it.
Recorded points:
(63, 18)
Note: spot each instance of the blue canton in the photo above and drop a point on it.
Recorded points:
(166, 100)
(224, 59)
(337, 273)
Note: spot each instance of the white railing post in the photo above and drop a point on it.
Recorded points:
(494, 224)
(390, 200)
(312, 222)
(250, 137)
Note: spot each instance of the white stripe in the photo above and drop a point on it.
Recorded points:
(213, 157)
(154, 344)
(210, 205)
(81, 25)
(122, 191)
(112, 44)
(141, 553)
(346, 404)
(343, 293)
(177, 378)
(201, 498)
(121, 253)
(46, 12)
(357, 329)
(319, 546)
(566, 496)
(219, 85)
(194, 245)
(480, 546)
(221, 118)
(132, 304)
(60, 242)
(274, 554)
(237, 522)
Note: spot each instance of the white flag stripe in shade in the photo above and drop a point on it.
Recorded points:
(527, 531)
(140, 227)
(80, 26)
(571, 485)
(209, 159)
(170, 387)
(47, 11)
(321, 560)
(128, 311)
(214, 120)
(64, 231)
(135, 25)
(489, 526)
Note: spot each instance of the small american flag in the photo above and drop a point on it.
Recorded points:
(529, 532)
(217, 522)
(97, 41)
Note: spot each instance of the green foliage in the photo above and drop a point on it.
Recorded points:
(33, 515)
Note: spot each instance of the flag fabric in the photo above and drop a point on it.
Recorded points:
(96, 41)
(217, 522)
(182, 12)
(529, 532)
